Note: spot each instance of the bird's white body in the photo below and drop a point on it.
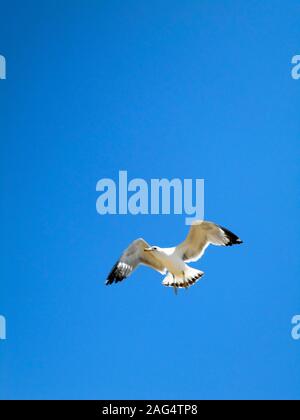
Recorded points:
(171, 260)
(179, 274)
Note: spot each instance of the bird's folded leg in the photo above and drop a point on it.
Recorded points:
(186, 285)
(175, 285)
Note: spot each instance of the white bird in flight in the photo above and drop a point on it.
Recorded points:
(172, 261)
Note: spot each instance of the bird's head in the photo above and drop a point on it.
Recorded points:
(152, 249)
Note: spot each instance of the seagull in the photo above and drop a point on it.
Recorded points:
(172, 261)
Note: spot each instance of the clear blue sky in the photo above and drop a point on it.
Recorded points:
(96, 87)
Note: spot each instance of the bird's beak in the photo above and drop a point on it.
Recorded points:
(148, 249)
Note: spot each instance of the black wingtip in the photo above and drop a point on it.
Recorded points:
(232, 238)
(111, 276)
(118, 273)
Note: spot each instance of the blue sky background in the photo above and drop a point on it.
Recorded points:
(194, 89)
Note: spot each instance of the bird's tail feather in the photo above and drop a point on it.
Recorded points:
(187, 279)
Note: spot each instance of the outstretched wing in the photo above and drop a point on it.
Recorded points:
(131, 258)
(201, 235)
